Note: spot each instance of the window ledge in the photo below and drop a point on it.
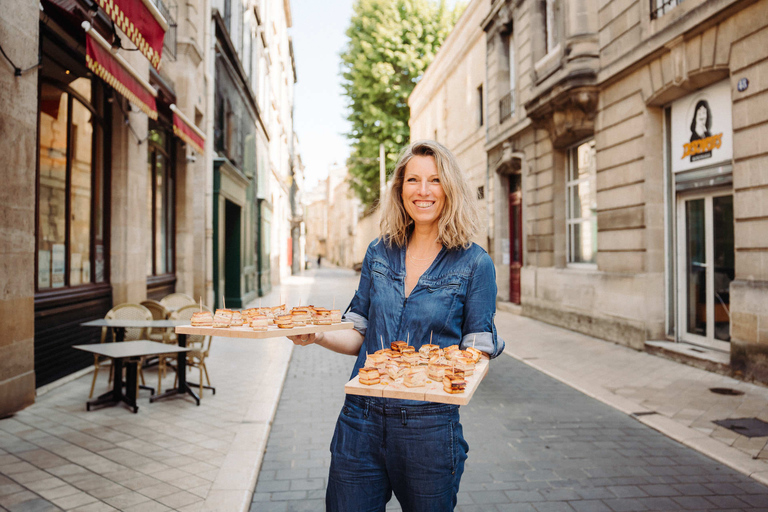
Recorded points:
(548, 64)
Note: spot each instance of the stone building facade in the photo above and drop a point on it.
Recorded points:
(626, 169)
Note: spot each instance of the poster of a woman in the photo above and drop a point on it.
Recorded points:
(701, 122)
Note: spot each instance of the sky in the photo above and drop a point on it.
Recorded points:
(319, 105)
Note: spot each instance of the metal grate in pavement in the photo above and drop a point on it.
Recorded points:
(748, 427)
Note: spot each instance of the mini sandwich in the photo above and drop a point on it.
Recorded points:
(323, 318)
(475, 354)
(222, 318)
(454, 384)
(259, 322)
(466, 364)
(451, 352)
(284, 321)
(369, 376)
(300, 317)
(202, 319)
(415, 377)
(452, 370)
(411, 358)
(376, 360)
(237, 319)
(395, 370)
(426, 350)
(397, 346)
(436, 372)
(407, 350)
(336, 316)
(277, 310)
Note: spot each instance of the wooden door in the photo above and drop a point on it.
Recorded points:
(515, 236)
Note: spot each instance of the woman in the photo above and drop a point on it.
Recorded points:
(421, 279)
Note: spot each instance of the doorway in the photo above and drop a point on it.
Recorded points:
(705, 268)
(515, 236)
(232, 260)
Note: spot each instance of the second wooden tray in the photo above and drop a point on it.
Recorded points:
(432, 392)
(272, 332)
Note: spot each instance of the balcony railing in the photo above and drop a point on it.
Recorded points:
(661, 7)
(170, 11)
(506, 106)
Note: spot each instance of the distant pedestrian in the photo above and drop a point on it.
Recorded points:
(319, 260)
(422, 275)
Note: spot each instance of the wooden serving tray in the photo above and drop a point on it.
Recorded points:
(272, 332)
(432, 392)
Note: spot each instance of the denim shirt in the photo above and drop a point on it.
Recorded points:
(454, 302)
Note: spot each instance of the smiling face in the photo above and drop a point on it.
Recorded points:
(701, 115)
(423, 195)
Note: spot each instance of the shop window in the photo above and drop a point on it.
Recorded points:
(161, 202)
(71, 236)
(581, 204)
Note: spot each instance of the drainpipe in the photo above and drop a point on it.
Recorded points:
(209, 49)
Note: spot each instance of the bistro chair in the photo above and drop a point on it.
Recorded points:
(126, 311)
(176, 301)
(200, 345)
(159, 312)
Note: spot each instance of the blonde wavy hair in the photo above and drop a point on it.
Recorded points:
(458, 222)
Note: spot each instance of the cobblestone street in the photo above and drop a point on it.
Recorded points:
(536, 445)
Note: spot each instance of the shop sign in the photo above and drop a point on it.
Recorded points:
(702, 133)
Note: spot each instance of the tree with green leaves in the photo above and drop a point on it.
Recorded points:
(391, 43)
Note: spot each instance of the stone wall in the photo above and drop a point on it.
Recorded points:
(19, 26)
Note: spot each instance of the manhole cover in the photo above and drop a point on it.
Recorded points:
(748, 427)
(726, 391)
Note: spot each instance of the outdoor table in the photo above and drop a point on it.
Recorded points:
(131, 350)
(119, 327)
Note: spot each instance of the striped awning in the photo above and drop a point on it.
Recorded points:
(142, 23)
(115, 71)
(184, 129)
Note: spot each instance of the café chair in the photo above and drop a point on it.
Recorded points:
(200, 345)
(159, 312)
(175, 301)
(126, 311)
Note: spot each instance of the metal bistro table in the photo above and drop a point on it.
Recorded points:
(132, 351)
(119, 327)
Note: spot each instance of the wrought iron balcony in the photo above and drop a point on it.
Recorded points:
(506, 106)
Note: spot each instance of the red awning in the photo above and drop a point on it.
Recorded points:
(141, 22)
(187, 131)
(119, 74)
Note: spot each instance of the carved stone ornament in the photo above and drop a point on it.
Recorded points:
(568, 116)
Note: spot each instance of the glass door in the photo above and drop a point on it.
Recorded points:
(706, 269)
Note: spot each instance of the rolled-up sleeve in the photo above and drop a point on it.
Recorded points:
(479, 329)
(357, 311)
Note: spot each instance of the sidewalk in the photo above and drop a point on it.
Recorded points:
(173, 455)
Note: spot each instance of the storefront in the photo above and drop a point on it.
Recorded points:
(701, 227)
(112, 176)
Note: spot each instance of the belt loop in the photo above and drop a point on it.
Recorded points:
(365, 409)
(404, 416)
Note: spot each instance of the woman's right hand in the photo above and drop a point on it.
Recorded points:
(305, 339)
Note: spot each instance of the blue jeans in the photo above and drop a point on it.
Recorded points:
(416, 451)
